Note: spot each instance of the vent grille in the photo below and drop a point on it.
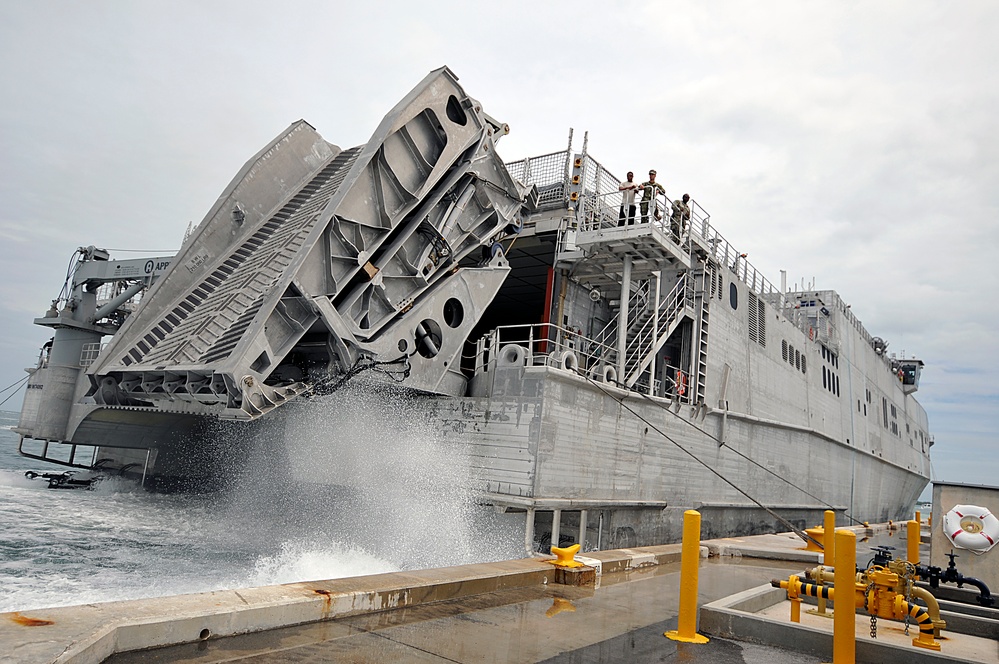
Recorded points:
(757, 321)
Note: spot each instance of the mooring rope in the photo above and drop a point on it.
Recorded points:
(797, 531)
(722, 443)
(18, 384)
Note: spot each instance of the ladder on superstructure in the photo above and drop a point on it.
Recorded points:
(704, 295)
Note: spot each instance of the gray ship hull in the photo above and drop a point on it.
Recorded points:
(597, 374)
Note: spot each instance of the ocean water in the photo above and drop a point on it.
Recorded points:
(410, 505)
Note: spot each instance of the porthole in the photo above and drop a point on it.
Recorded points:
(733, 295)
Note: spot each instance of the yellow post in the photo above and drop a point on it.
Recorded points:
(912, 541)
(828, 545)
(919, 517)
(828, 553)
(690, 558)
(844, 616)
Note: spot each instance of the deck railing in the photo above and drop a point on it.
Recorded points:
(545, 344)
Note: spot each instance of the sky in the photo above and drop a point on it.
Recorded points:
(850, 143)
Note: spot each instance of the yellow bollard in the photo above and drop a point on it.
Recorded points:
(565, 557)
(919, 517)
(690, 558)
(817, 534)
(844, 614)
(912, 541)
(828, 541)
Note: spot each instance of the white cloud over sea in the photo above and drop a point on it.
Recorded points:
(852, 142)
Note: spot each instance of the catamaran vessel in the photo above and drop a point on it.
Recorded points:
(605, 374)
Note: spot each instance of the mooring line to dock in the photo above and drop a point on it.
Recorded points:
(18, 384)
(797, 531)
(722, 443)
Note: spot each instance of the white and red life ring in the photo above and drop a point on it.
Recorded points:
(971, 527)
(681, 383)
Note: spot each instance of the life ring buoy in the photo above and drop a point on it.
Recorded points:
(811, 333)
(971, 527)
(681, 383)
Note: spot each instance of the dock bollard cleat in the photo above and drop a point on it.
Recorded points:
(565, 557)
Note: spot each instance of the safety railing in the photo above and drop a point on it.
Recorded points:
(543, 344)
(723, 253)
(671, 307)
(600, 206)
(549, 172)
(638, 302)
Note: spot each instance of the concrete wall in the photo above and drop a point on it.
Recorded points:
(945, 496)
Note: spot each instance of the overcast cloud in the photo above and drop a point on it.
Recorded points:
(852, 142)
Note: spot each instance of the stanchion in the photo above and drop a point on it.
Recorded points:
(844, 613)
(912, 541)
(828, 556)
(919, 516)
(829, 539)
(690, 558)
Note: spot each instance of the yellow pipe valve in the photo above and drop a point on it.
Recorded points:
(565, 557)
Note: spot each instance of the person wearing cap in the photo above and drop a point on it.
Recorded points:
(628, 189)
(681, 215)
(650, 190)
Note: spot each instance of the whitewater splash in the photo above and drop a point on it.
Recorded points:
(356, 483)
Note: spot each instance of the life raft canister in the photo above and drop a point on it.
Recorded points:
(971, 527)
(681, 383)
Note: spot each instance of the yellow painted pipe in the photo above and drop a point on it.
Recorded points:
(919, 518)
(912, 541)
(932, 608)
(828, 541)
(690, 559)
(844, 611)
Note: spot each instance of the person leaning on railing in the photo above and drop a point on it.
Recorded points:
(650, 190)
(680, 217)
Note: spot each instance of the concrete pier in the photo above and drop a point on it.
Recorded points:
(512, 611)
